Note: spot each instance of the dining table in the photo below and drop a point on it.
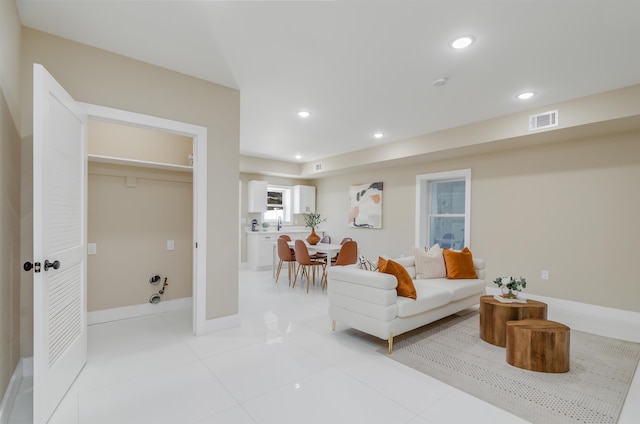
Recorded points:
(329, 249)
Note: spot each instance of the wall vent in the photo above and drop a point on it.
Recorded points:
(543, 120)
(317, 167)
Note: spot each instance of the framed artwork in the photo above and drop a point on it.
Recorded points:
(365, 205)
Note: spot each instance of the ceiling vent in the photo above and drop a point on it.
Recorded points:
(317, 167)
(543, 120)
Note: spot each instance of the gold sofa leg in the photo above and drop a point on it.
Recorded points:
(390, 343)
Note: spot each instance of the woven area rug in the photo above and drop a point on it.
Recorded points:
(593, 391)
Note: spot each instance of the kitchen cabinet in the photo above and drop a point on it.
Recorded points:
(261, 246)
(256, 196)
(304, 199)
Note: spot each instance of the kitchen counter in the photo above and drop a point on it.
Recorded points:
(283, 230)
(261, 244)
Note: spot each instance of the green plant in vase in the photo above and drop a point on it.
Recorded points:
(312, 220)
(510, 286)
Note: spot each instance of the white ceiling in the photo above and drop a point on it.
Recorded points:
(364, 66)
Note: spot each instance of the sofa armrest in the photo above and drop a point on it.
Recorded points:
(480, 266)
(378, 280)
(356, 295)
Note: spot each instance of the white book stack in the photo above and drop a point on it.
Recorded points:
(506, 300)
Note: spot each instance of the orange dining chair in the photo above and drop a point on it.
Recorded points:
(348, 254)
(306, 263)
(286, 255)
(288, 239)
(344, 240)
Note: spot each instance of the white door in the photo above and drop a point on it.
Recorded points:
(59, 237)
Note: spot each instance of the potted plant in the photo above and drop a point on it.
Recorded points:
(510, 286)
(312, 220)
(265, 226)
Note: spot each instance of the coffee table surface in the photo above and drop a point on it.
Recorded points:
(495, 314)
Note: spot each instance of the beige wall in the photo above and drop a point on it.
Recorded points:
(567, 207)
(9, 245)
(131, 226)
(10, 208)
(95, 76)
(127, 142)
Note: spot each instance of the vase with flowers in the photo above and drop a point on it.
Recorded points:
(312, 220)
(510, 286)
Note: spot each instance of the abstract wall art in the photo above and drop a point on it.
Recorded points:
(365, 205)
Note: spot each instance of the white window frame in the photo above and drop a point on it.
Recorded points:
(423, 182)
(287, 203)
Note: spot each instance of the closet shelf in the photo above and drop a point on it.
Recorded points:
(141, 163)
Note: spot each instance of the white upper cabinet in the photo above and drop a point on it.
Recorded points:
(256, 196)
(304, 199)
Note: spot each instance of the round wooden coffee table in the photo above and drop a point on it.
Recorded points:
(538, 345)
(495, 314)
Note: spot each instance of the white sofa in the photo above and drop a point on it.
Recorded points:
(367, 300)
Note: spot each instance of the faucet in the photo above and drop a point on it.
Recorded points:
(279, 223)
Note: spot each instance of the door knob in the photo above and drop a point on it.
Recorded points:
(54, 265)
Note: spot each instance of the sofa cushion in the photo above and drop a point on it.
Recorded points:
(405, 283)
(459, 289)
(428, 297)
(408, 262)
(459, 264)
(429, 264)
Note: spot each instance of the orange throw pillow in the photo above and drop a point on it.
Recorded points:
(459, 264)
(405, 283)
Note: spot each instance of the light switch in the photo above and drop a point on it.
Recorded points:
(171, 245)
(92, 248)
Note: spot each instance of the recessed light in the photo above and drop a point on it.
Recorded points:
(378, 135)
(462, 42)
(526, 95)
(304, 114)
(298, 156)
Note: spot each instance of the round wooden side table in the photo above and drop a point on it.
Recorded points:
(495, 314)
(538, 345)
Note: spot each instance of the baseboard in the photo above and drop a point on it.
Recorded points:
(133, 311)
(23, 369)
(601, 320)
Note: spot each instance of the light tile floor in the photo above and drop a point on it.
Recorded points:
(282, 365)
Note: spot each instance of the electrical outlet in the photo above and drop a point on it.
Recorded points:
(171, 245)
(545, 274)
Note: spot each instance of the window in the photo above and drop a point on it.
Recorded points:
(443, 206)
(279, 204)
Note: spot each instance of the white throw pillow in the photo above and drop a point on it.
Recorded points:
(430, 264)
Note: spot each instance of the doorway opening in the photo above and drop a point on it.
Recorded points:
(199, 198)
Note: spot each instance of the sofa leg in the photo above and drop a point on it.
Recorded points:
(390, 343)
(333, 325)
